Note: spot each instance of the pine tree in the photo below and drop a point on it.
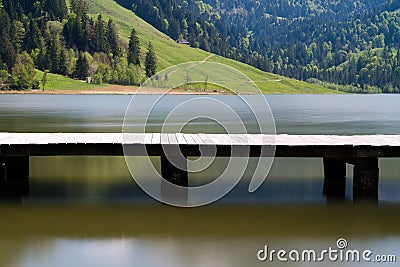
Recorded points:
(13, 8)
(81, 67)
(204, 45)
(79, 7)
(17, 35)
(41, 58)
(53, 53)
(174, 29)
(112, 38)
(63, 62)
(134, 49)
(8, 53)
(32, 36)
(100, 39)
(56, 9)
(151, 62)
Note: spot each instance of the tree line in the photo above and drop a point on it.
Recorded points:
(351, 44)
(195, 21)
(46, 36)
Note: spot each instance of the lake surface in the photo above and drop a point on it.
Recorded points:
(87, 211)
(294, 114)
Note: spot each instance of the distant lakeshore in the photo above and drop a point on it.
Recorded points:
(117, 90)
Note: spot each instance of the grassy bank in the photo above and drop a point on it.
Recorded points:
(59, 82)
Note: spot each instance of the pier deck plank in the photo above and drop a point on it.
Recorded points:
(38, 144)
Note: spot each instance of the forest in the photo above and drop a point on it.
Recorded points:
(350, 45)
(194, 21)
(347, 45)
(47, 36)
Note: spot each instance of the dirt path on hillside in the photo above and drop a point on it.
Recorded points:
(207, 58)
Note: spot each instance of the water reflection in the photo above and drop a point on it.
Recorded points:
(174, 252)
(157, 235)
(107, 179)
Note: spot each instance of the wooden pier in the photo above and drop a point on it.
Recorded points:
(361, 151)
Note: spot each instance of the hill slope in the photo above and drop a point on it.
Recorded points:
(332, 41)
(169, 53)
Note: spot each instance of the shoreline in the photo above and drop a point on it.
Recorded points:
(132, 90)
(111, 90)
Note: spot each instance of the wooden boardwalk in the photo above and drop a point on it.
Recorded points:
(51, 144)
(361, 151)
(199, 139)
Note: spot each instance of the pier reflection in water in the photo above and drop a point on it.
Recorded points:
(107, 179)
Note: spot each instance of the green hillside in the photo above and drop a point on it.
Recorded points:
(169, 53)
(59, 82)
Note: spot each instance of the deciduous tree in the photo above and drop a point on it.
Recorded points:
(44, 79)
(23, 72)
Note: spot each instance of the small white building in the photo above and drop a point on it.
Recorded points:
(182, 41)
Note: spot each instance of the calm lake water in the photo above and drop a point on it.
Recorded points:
(87, 211)
(294, 114)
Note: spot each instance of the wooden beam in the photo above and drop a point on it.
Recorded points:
(14, 177)
(335, 179)
(176, 176)
(366, 179)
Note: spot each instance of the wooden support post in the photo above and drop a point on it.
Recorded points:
(175, 176)
(14, 177)
(366, 179)
(335, 179)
